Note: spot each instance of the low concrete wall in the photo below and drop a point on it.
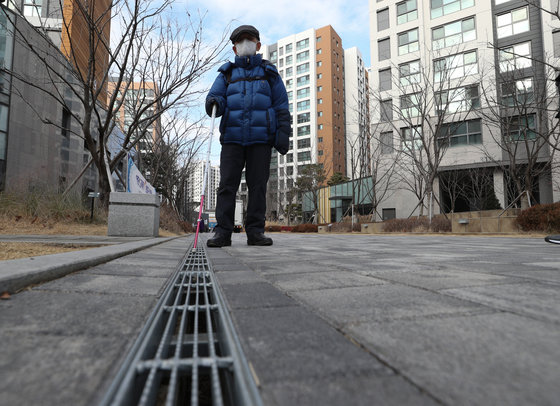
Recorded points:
(133, 215)
(372, 228)
(488, 221)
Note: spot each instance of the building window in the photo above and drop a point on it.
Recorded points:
(513, 22)
(303, 130)
(281, 63)
(383, 19)
(320, 152)
(386, 110)
(32, 8)
(304, 43)
(409, 73)
(412, 138)
(304, 68)
(291, 107)
(444, 7)
(289, 82)
(289, 170)
(459, 99)
(408, 41)
(410, 104)
(303, 93)
(556, 43)
(304, 143)
(320, 63)
(320, 101)
(302, 56)
(455, 66)
(303, 118)
(290, 95)
(407, 11)
(384, 49)
(320, 114)
(280, 51)
(273, 56)
(517, 93)
(320, 126)
(460, 133)
(453, 33)
(289, 60)
(319, 88)
(385, 80)
(319, 51)
(386, 140)
(319, 38)
(520, 128)
(289, 48)
(289, 71)
(389, 214)
(304, 156)
(303, 105)
(290, 158)
(517, 56)
(320, 139)
(319, 76)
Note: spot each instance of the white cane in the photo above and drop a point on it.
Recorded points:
(206, 171)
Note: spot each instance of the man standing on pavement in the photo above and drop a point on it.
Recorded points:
(252, 101)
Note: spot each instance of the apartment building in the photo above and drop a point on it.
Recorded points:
(356, 101)
(461, 74)
(312, 65)
(194, 185)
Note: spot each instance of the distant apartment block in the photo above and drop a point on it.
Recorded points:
(194, 186)
(312, 66)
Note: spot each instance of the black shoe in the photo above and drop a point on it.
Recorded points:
(219, 240)
(258, 239)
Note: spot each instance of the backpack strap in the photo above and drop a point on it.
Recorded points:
(269, 73)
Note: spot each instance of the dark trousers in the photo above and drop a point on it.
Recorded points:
(256, 160)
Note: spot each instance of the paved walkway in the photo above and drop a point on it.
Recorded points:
(323, 319)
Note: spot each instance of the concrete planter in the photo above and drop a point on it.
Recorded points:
(133, 215)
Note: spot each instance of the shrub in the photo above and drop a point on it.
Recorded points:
(412, 224)
(286, 228)
(440, 225)
(305, 228)
(273, 228)
(341, 227)
(541, 217)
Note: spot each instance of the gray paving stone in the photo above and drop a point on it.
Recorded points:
(291, 342)
(234, 277)
(130, 285)
(295, 282)
(255, 295)
(489, 359)
(52, 369)
(436, 279)
(350, 390)
(72, 313)
(122, 268)
(381, 302)
(532, 299)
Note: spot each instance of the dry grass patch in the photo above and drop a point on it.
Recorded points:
(15, 250)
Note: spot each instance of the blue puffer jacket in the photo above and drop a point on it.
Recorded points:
(253, 106)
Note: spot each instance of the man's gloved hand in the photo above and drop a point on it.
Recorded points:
(282, 144)
(210, 101)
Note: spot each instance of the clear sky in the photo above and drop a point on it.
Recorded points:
(280, 18)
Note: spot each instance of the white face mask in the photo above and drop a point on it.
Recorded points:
(246, 48)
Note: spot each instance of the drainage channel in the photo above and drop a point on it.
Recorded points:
(188, 352)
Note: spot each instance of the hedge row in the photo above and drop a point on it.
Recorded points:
(541, 217)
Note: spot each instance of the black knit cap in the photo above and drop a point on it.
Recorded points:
(244, 29)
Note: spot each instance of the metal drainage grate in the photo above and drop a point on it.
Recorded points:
(188, 352)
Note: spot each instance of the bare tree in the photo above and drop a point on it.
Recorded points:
(520, 118)
(105, 76)
(434, 101)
